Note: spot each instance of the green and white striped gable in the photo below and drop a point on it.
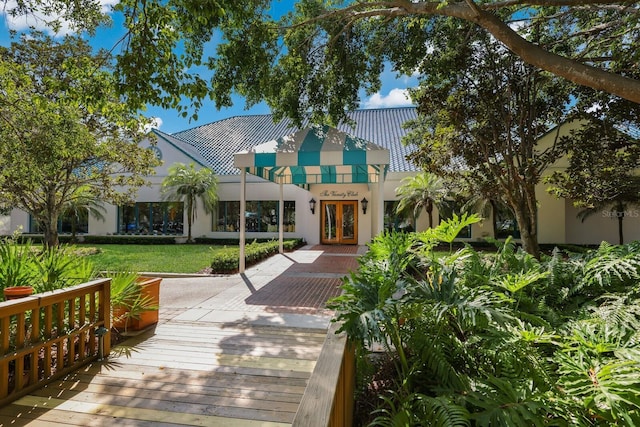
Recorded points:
(316, 155)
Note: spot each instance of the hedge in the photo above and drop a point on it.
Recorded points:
(227, 260)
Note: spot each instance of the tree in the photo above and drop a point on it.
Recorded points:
(188, 184)
(82, 204)
(480, 125)
(423, 190)
(63, 127)
(602, 171)
(317, 58)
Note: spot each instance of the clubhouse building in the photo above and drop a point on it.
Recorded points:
(325, 185)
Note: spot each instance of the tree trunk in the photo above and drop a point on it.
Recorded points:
(525, 213)
(74, 227)
(51, 233)
(529, 238)
(494, 212)
(189, 219)
(429, 209)
(620, 232)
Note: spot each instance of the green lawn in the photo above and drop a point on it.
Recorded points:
(156, 258)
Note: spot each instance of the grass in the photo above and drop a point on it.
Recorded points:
(153, 258)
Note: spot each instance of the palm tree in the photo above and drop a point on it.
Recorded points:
(424, 190)
(82, 204)
(188, 184)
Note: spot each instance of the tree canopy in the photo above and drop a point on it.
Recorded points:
(315, 60)
(482, 111)
(63, 126)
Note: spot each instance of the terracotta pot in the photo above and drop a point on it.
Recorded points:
(151, 289)
(15, 292)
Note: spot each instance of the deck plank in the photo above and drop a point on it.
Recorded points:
(183, 373)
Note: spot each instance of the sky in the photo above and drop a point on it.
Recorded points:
(392, 93)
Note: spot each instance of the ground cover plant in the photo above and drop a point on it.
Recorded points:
(477, 339)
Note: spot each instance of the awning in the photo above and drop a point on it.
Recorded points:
(316, 155)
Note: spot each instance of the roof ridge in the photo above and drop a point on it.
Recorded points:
(243, 116)
(237, 116)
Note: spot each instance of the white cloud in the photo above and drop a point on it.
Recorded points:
(39, 20)
(155, 123)
(396, 98)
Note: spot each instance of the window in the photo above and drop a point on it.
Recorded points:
(394, 221)
(151, 218)
(65, 224)
(446, 211)
(260, 216)
(506, 224)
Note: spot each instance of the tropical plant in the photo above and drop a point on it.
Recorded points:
(127, 301)
(59, 267)
(494, 339)
(83, 203)
(421, 191)
(18, 264)
(188, 184)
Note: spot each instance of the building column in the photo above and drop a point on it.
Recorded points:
(281, 220)
(243, 223)
(380, 202)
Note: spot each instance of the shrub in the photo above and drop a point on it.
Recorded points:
(495, 340)
(227, 260)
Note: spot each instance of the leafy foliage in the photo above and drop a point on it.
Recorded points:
(23, 264)
(497, 339)
(317, 60)
(64, 127)
(188, 184)
(228, 259)
(423, 190)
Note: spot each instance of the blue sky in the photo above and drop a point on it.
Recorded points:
(392, 93)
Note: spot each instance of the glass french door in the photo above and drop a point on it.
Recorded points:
(339, 222)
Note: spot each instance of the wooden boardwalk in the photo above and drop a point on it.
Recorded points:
(183, 374)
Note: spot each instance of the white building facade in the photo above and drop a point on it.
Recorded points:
(320, 184)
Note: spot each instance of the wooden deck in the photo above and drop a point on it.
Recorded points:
(183, 373)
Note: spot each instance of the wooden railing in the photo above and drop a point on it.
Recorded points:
(46, 336)
(328, 398)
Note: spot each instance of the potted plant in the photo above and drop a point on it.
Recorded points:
(15, 292)
(134, 301)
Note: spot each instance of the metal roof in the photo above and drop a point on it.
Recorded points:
(217, 142)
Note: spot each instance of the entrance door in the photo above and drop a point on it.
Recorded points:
(339, 222)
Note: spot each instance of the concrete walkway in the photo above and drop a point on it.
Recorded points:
(288, 289)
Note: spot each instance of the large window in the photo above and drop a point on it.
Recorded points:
(394, 221)
(260, 216)
(65, 224)
(151, 218)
